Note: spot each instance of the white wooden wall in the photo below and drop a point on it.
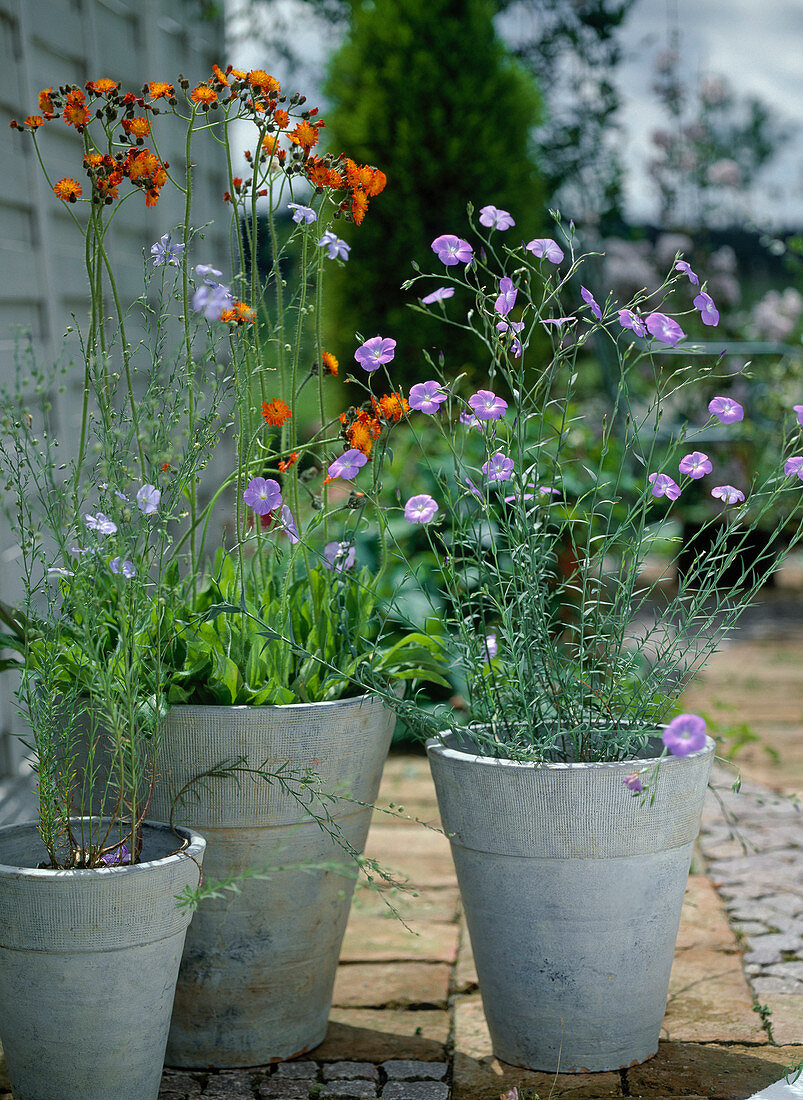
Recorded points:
(46, 43)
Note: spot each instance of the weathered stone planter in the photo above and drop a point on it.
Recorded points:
(572, 891)
(256, 981)
(88, 966)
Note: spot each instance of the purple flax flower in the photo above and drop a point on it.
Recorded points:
(512, 326)
(590, 300)
(491, 647)
(507, 297)
(420, 509)
(100, 523)
(375, 352)
(498, 467)
(469, 419)
(338, 556)
(725, 409)
(793, 467)
(474, 490)
(121, 855)
(664, 328)
(427, 397)
(148, 498)
(439, 295)
(208, 273)
(452, 250)
(696, 465)
(683, 267)
(631, 320)
(127, 568)
(709, 314)
(558, 322)
(633, 783)
(664, 486)
(521, 496)
(545, 248)
(336, 249)
(212, 299)
(348, 464)
(289, 525)
(165, 252)
(495, 219)
(685, 734)
(263, 495)
(301, 213)
(79, 551)
(799, 410)
(60, 571)
(728, 494)
(487, 406)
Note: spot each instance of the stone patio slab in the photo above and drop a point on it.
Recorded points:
(392, 985)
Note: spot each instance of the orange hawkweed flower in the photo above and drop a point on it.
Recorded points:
(330, 364)
(137, 127)
(93, 160)
(220, 75)
(239, 314)
(68, 190)
(359, 175)
(238, 74)
(33, 122)
(276, 412)
(46, 102)
(75, 112)
(286, 463)
(281, 118)
(104, 86)
(394, 406)
(359, 204)
(157, 89)
(203, 95)
(304, 135)
(261, 81)
(270, 144)
(377, 184)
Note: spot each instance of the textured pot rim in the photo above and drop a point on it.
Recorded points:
(365, 697)
(195, 849)
(436, 747)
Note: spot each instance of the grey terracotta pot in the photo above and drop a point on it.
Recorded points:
(259, 966)
(572, 891)
(88, 966)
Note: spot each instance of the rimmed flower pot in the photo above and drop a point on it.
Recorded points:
(88, 966)
(259, 966)
(572, 890)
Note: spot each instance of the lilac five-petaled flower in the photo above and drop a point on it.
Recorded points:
(512, 326)
(487, 406)
(303, 214)
(427, 397)
(507, 297)
(336, 249)
(545, 248)
(664, 328)
(440, 294)
(263, 495)
(420, 509)
(793, 467)
(591, 301)
(165, 252)
(498, 467)
(631, 320)
(709, 314)
(289, 525)
(729, 494)
(696, 465)
(452, 250)
(495, 219)
(664, 486)
(725, 409)
(338, 556)
(148, 497)
(469, 419)
(685, 734)
(100, 523)
(60, 571)
(491, 646)
(127, 568)
(211, 298)
(375, 352)
(683, 267)
(558, 322)
(348, 464)
(799, 410)
(633, 783)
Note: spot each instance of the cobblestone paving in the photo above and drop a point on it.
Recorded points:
(394, 1079)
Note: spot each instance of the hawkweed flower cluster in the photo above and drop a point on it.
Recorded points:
(128, 580)
(561, 649)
